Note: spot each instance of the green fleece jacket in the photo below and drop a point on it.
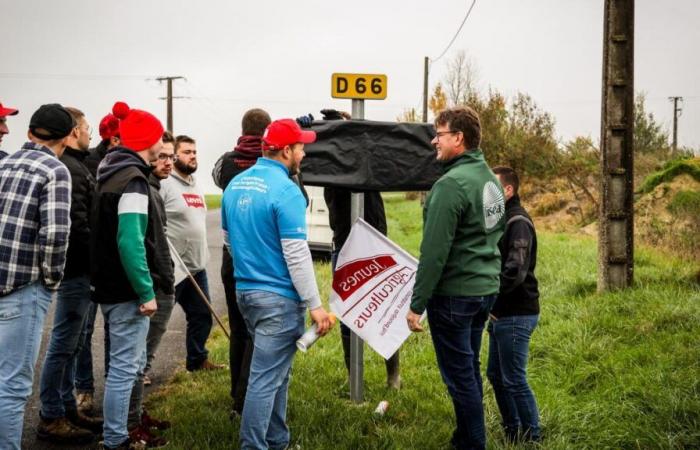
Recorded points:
(463, 219)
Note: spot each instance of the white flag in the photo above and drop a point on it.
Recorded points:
(372, 288)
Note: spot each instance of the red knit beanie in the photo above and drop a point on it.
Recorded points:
(138, 130)
(109, 127)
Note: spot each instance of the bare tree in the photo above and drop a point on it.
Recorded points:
(461, 79)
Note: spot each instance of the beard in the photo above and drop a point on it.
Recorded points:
(185, 168)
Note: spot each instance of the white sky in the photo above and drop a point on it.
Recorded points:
(280, 56)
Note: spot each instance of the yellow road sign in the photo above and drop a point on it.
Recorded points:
(358, 85)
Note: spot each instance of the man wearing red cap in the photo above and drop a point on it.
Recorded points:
(134, 261)
(4, 112)
(109, 133)
(264, 221)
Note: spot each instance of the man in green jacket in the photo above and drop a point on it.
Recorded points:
(458, 272)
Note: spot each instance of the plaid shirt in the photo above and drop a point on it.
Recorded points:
(35, 190)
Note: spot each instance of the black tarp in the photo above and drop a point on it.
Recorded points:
(371, 156)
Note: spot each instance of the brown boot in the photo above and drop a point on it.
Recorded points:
(208, 365)
(86, 403)
(80, 420)
(61, 430)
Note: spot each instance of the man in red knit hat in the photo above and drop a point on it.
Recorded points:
(134, 262)
(4, 112)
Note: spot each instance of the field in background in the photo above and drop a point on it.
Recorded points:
(617, 370)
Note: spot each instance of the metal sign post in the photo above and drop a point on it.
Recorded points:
(357, 209)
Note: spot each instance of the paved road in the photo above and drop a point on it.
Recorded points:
(173, 344)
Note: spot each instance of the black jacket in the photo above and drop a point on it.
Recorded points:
(338, 202)
(95, 156)
(168, 276)
(109, 281)
(518, 294)
(83, 188)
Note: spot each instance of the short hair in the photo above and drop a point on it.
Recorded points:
(463, 119)
(75, 113)
(168, 137)
(183, 139)
(508, 176)
(255, 121)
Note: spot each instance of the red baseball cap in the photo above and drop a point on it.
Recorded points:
(285, 132)
(7, 111)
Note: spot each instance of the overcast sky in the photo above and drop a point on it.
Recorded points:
(280, 56)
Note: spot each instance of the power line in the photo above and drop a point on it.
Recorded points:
(456, 34)
(68, 76)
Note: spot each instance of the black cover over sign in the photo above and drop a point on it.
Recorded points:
(371, 156)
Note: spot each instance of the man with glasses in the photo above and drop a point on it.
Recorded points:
(458, 272)
(60, 420)
(187, 231)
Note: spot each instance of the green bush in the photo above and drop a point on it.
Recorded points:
(670, 171)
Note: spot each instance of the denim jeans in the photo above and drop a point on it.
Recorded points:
(84, 378)
(275, 322)
(198, 318)
(22, 314)
(58, 374)
(509, 341)
(158, 326)
(127, 334)
(456, 327)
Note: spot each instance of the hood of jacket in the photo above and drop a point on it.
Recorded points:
(120, 158)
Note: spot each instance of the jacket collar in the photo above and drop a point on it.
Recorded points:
(468, 157)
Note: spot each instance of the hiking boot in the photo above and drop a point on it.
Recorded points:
(141, 434)
(61, 430)
(149, 422)
(80, 420)
(126, 445)
(208, 365)
(86, 403)
(147, 380)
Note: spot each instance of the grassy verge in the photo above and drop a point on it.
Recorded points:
(618, 370)
(213, 201)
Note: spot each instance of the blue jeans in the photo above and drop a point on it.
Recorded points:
(84, 378)
(127, 334)
(22, 314)
(275, 323)
(58, 374)
(198, 318)
(509, 341)
(456, 327)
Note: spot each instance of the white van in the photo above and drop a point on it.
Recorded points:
(320, 235)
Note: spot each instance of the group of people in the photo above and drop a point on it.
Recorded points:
(123, 226)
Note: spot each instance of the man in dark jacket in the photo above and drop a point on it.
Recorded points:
(60, 420)
(338, 202)
(244, 155)
(84, 379)
(514, 317)
(133, 262)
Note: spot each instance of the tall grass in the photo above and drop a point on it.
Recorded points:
(612, 371)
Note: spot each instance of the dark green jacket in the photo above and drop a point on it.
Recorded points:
(463, 220)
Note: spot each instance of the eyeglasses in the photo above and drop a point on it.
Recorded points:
(439, 134)
(164, 157)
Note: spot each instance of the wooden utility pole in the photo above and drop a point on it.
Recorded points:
(169, 98)
(676, 114)
(426, 63)
(616, 215)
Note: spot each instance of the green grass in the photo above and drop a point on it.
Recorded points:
(686, 202)
(671, 170)
(213, 201)
(613, 371)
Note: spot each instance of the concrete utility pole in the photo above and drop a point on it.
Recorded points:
(169, 99)
(676, 113)
(616, 215)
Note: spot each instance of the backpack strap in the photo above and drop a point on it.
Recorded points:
(518, 217)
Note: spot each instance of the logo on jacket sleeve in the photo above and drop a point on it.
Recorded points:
(193, 200)
(494, 207)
